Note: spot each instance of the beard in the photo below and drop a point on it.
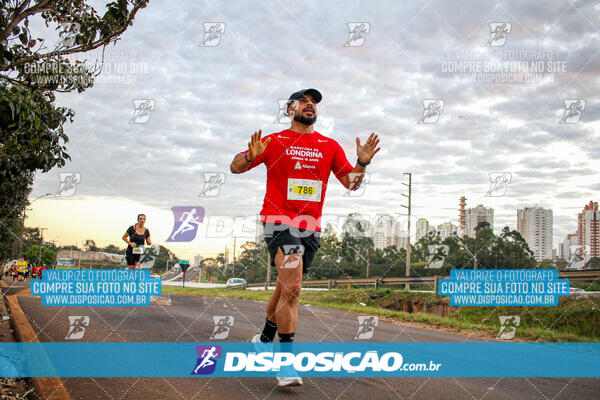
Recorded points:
(305, 120)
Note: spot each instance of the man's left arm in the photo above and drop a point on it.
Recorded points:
(365, 154)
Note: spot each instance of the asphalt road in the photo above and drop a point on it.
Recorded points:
(189, 319)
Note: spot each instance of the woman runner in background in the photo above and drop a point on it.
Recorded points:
(134, 237)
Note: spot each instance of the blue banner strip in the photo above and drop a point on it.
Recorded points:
(356, 359)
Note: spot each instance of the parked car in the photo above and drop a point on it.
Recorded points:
(576, 290)
(155, 276)
(236, 283)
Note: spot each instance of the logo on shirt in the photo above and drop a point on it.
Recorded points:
(298, 166)
(186, 223)
(207, 359)
(303, 152)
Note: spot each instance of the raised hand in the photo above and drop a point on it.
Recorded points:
(256, 146)
(366, 152)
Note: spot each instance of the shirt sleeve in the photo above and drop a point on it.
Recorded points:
(147, 234)
(340, 166)
(130, 230)
(263, 157)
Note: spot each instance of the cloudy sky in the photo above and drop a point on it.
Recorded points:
(503, 98)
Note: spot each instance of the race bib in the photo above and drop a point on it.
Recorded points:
(138, 250)
(304, 189)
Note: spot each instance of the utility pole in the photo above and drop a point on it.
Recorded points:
(23, 227)
(408, 249)
(41, 244)
(233, 266)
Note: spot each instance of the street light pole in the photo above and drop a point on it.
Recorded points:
(408, 249)
(20, 254)
(41, 244)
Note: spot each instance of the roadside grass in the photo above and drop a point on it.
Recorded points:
(575, 319)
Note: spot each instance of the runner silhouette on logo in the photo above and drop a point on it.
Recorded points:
(359, 32)
(214, 182)
(78, 326)
(574, 109)
(500, 32)
(368, 325)
(207, 361)
(224, 325)
(432, 109)
(188, 218)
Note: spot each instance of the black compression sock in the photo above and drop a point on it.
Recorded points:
(286, 337)
(269, 331)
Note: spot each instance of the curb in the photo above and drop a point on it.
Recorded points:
(51, 388)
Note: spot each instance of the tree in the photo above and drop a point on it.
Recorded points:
(111, 248)
(33, 252)
(90, 245)
(593, 262)
(32, 136)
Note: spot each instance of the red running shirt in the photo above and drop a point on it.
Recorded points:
(298, 169)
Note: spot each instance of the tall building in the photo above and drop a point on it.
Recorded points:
(478, 214)
(535, 225)
(588, 229)
(447, 229)
(422, 228)
(259, 234)
(564, 249)
(356, 225)
(198, 259)
(462, 216)
(401, 242)
(384, 229)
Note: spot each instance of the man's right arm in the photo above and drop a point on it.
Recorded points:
(239, 164)
(242, 161)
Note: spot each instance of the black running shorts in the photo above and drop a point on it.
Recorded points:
(292, 240)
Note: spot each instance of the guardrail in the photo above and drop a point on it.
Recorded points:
(582, 275)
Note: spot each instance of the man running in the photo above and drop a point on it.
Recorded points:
(299, 161)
